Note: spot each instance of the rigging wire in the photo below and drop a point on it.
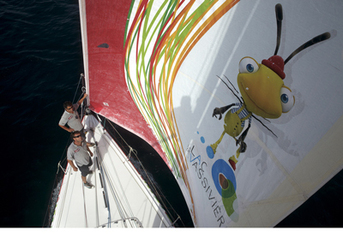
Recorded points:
(101, 170)
(155, 188)
(76, 90)
(124, 214)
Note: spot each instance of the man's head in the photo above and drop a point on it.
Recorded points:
(68, 106)
(76, 136)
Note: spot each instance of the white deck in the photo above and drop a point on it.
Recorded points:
(129, 201)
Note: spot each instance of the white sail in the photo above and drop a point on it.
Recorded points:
(181, 60)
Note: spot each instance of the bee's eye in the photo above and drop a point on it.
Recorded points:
(248, 65)
(287, 99)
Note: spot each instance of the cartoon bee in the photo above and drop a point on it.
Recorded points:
(263, 93)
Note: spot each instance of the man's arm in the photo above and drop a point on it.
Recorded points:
(81, 100)
(90, 152)
(66, 128)
(71, 163)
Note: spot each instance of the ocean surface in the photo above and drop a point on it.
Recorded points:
(40, 65)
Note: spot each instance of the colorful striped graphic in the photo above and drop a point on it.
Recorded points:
(159, 36)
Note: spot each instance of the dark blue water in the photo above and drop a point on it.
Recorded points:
(40, 65)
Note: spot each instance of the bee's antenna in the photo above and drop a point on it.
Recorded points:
(313, 41)
(279, 17)
(231, 84)
(230, 88)
(264, 125)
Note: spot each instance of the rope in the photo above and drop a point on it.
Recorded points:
(61, 167)
(178, 217)
(132, 151)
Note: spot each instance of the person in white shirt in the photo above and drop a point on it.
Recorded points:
(71, 117)
(79, 151)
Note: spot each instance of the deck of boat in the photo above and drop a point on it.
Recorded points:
(119, 198)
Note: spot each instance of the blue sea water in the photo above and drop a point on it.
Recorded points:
(40, 65)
